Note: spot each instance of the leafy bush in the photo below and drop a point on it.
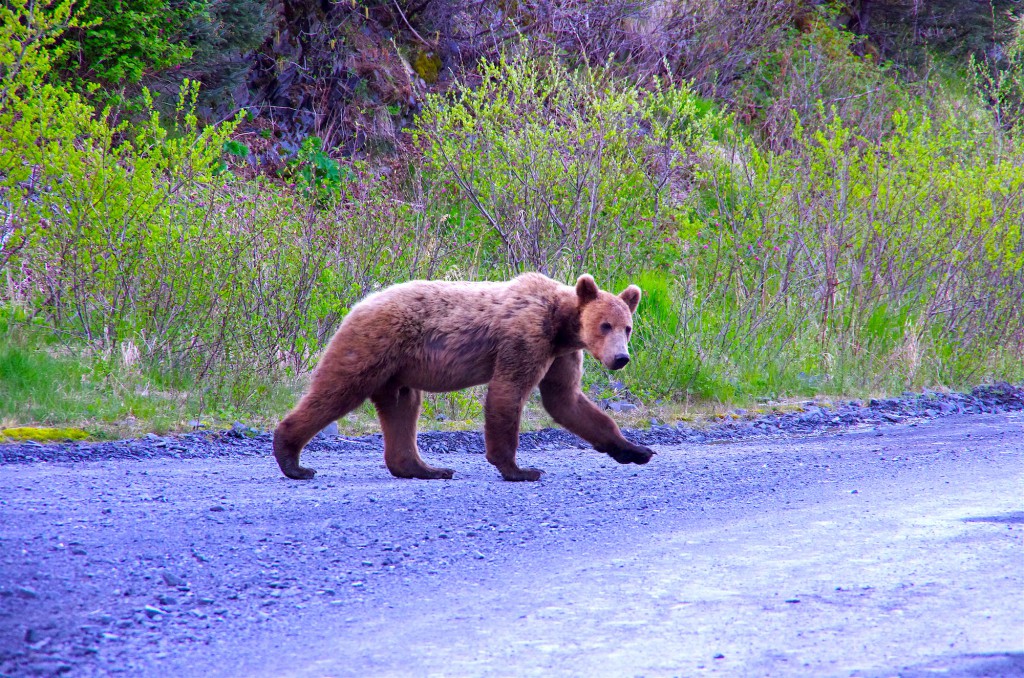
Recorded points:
(1000, 82)
(564, 171)
(813, 74)
(119, 41)
(117, 46)
(38, 120)
(134, 240)
(320, 177)
(899, 261)
(849, 261)
(220, 284)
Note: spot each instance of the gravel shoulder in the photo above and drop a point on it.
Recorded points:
(901, 538)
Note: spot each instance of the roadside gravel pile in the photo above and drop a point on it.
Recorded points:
(811, 417)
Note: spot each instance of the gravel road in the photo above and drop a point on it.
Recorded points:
(862, 539)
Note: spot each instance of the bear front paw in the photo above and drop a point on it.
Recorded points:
(637, 454)
(297, 472)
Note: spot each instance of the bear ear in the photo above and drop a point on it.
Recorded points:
(586, 289)
(631, 295)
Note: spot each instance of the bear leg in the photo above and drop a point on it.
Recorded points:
(317, 409)
(502, 411)
(398, 409)
(569, 407)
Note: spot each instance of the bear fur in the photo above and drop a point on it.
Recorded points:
(444, 336)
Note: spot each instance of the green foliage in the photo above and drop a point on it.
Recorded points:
(219, 284)
(37, 119)
(318, 176)
(872, 244)
(233, 151)
(135, 241)
(1000, 83)
(460, 408)
(120, 41)
(817, 72)
(848, 257)
(236, 149)
(565, 171)
(661, 363)
(775, 272)
(116, 45)
(28, 39)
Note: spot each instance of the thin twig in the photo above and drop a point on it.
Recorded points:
(406, 22)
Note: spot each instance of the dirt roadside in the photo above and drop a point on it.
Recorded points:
(901, 542)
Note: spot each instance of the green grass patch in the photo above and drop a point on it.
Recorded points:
(62, 390)
(37, 386)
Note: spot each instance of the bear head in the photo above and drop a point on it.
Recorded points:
(606, 321)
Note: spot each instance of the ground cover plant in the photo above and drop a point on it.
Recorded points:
(826, 224)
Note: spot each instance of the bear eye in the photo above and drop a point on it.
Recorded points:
(629, 330)
(606, 327)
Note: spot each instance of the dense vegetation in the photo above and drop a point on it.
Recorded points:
(814, 199)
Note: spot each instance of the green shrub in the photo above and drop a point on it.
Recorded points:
(847, 261)
(814, 73)
(858, 264)
(1000, 83)
(116, 46)
(226, 284)
(319, 176)
(38, 120)
(120, 41)
(563, 171)
(135, 240)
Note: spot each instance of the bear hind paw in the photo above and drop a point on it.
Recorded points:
(518, 474)
(424, 473)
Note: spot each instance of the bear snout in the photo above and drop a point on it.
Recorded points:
(619, 361)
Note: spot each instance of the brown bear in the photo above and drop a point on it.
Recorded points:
(444, 336)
